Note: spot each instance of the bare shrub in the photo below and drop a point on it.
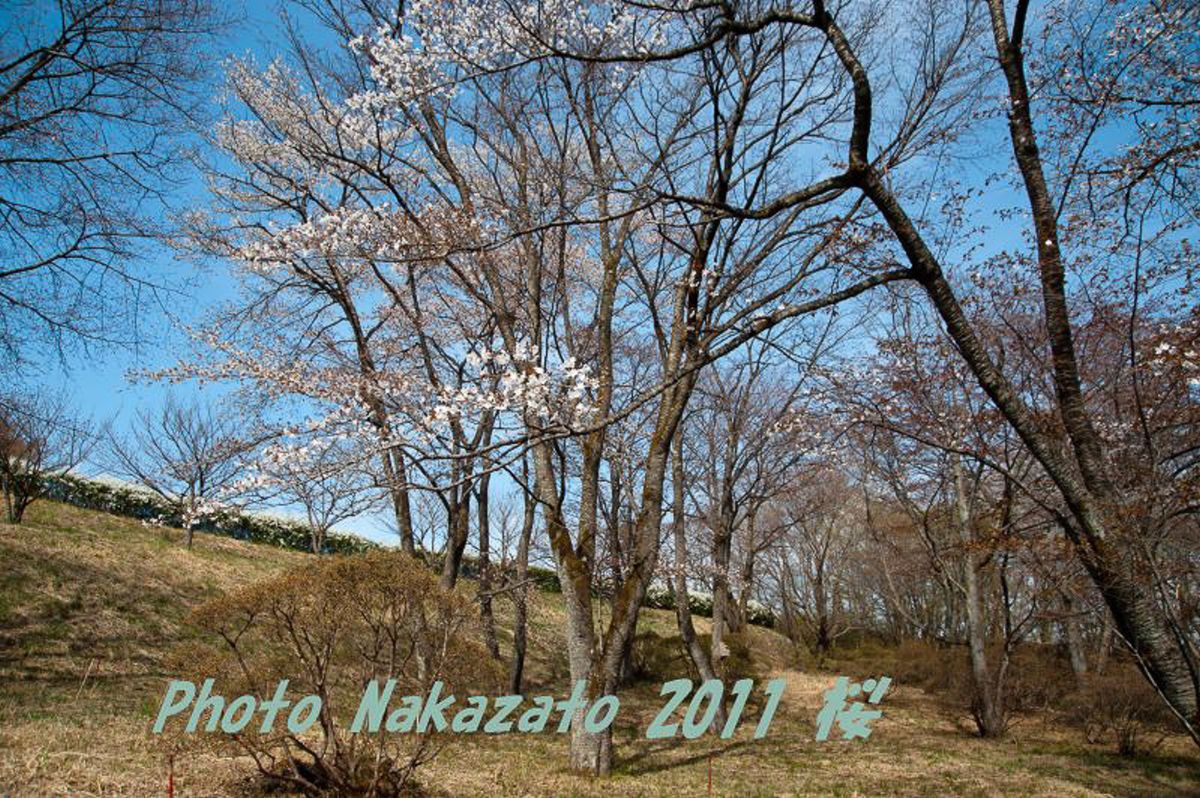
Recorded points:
(331, 628)
(1121, 707)
(1034, 678)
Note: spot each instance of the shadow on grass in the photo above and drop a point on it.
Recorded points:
(640, 763)
(1146, 776)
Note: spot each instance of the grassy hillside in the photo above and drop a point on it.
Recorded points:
(90, 603)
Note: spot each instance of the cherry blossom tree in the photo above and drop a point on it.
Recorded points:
(471, 242)
(327, 480)
(187, 454)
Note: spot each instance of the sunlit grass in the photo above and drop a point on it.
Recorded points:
(89, 595)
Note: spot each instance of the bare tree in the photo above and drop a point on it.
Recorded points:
(40, 437)
(186, 454)
(823, 526)
(746, 454)
(94, 95)
(965, 51)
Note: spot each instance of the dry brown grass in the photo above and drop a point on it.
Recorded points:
(82, 593)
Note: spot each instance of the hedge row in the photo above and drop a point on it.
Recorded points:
(131, 502)
(663, 598)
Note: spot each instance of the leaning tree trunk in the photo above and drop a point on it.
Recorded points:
(1162, 651)
(1164, 656)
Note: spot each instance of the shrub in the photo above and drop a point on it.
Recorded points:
(1036, 678)
(543, 579)
(1122, 707)
(924, 664)
(330, 628)
(653, 656)
(657, 658)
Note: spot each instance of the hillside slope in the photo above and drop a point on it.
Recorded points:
(90, 604)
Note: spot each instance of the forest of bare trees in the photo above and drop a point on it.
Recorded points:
(879, 316)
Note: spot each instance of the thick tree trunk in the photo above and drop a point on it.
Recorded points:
(1164, 655)
(627, 600)
(588, 752)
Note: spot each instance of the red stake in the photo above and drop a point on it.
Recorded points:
(171, 776)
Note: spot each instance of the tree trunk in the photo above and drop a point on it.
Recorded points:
(486, 617)
(722, 542)
(1105, 645)
(397, 478)
(743, 603)
(1163, 657)
(15, 501)
(516, 674)
(643, 558)
(459, 528)
(738, 607)
(989, 697)
(1074, 637)
(588, 752)
(822, 641)
(683, 611)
